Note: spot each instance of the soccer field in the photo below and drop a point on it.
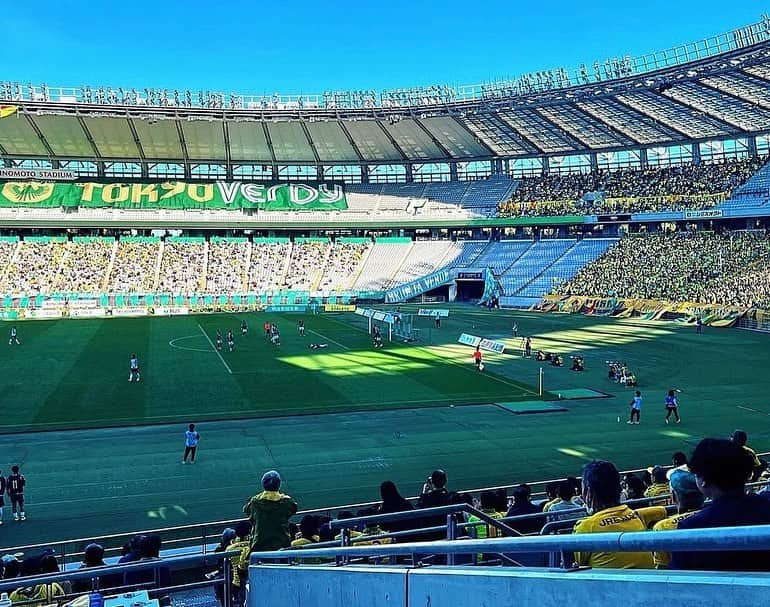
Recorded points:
(395, 413)
(73, 374)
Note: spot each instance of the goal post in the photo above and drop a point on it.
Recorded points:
(393, 326)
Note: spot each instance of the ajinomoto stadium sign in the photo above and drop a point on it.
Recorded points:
(174, 195)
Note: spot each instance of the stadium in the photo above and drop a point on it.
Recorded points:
(354, 287)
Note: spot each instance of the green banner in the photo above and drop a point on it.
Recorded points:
(174, 195)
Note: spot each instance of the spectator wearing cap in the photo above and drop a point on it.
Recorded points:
(758, 466)
(659, 483)
(721, 468)
(688, 500)
(269, 513)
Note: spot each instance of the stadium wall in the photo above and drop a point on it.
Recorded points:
(315, 586)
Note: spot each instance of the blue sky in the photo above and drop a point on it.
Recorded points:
(304, 46)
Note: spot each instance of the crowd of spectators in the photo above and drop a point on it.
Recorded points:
(84, 267)
(267, 265)
(341, 266)
(629, 190)
(134, 268)
(182, 267)
(709, 490)
(728, 269)
(36, 268)
(226, 266)
(306, 265)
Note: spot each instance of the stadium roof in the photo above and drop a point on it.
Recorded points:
(705, 95)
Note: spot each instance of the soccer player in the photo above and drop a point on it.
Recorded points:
(267, 326)
(318, 346)
(244, 327)
(230, 341)
(636, 408)
(699, 325)
(672, 406)
(219, 339)
(377, 337)
(528, 347)
(515, 330)
(15, 484)
(438, 320)
(191, 438)
(477, 360)
(133, 368)
(301, 328)
(13, 339)
(3, 487)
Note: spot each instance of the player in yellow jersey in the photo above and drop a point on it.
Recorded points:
(688, 500)
(601, 493)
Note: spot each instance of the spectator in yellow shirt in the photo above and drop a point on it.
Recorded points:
(659, 483)
(688, 500)
(758, 466)
(601, 493)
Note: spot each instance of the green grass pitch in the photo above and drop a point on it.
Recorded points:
(110, 458)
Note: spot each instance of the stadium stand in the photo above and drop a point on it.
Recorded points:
(183, 265)
(268, 264)
(424, 257)
(343, 263)
(135, 265)
(226, 268)
(532, 263)
(566, 266)
(689, 186)
(381, 265)
(36, 267)
(728, 269)
(84, 268)
(307, 263)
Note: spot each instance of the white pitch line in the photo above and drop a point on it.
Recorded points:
(217, 352)
(327, 339)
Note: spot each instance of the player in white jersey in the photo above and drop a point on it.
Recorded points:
(133, 369)
(14, 338)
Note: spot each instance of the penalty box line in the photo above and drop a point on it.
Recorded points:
(214, 348)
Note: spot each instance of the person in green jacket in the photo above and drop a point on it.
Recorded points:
(269, 513)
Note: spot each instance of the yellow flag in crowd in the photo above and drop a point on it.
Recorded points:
(8, 110)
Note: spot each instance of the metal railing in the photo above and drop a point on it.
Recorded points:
(755, 537)
(201, 538)
(618, 67)
(93, 574)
